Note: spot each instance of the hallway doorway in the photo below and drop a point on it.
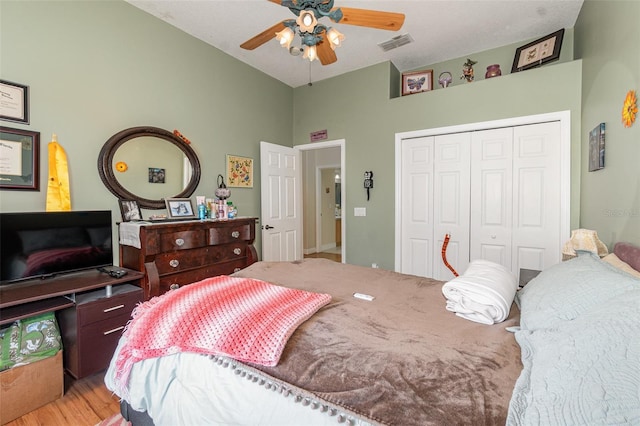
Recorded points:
(323, 199)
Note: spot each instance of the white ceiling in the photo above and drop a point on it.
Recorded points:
(441, 29)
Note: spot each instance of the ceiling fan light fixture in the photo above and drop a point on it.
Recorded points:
(307, 21)
(310, 53)
(285, 37)
(335, 38)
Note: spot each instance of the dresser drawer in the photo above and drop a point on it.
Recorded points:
(108, 307)
(173, 281)
(182, 240)
(183, 260)
(230, 233)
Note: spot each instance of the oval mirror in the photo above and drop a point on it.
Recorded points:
(148, 164)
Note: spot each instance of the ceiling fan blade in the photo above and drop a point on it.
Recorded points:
(326, 54)
(390, 21)
(263, 37)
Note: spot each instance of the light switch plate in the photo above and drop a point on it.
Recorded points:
(359, 211)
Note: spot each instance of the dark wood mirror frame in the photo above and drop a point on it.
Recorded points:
(105, 166)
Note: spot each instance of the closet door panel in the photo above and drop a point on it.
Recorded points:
(536, 165)
(491, 195)
(451, 202)
(417, 207)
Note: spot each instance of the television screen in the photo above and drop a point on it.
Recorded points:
(44, 244)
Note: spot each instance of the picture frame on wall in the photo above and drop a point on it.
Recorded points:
(239, 171)
(417, 82)
(180, 208)
(14, 102)
(130, 210)
(538, 52)
(596, 148)
(19, 159)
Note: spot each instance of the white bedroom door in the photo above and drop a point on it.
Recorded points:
(417, 207)
(491, 195)
(451, 202)
(536, 196)
(435, 194)
(281, 210)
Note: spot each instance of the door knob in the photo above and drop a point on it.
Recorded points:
(267, 227)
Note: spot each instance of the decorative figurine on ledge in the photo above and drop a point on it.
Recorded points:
(445, 79)
(467, 70)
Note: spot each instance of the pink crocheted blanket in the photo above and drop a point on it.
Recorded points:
(243, 318)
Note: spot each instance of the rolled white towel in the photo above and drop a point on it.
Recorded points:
(484, 293)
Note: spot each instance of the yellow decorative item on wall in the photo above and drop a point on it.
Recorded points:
(121, 166)
(58, 193)
(629, 109)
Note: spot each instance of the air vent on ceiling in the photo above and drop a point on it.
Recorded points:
(395, 42)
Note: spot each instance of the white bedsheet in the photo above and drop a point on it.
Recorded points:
(199, 391)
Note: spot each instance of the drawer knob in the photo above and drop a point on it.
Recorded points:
(235, 234)
(237, 269)
(179, 242)
(174, 263)
(114, 308)
(174, 286)
(237, 251)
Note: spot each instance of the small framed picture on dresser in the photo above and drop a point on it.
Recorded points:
(180, 208)
(130, 210)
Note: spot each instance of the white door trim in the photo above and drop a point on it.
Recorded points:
(341, 143)
(564, 117)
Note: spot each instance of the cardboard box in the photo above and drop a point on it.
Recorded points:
(30, 386)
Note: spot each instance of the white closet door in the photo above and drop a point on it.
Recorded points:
(491, 195)
(451, 202)
(417, 206)
(536, 194)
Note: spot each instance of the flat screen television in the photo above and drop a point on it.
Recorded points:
(46, 244)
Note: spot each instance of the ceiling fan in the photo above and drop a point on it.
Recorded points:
(319, 41)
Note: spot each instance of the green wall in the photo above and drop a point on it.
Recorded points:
(357, 107)
(608, 42)
(97, 67)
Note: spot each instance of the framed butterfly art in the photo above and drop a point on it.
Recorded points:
(417, 82)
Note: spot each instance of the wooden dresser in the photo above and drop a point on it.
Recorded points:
(178, 253)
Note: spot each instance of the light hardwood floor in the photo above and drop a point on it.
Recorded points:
(86, 402)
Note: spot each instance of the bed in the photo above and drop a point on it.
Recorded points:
(565, 353)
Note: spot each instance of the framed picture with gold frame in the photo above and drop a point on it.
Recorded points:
(239, 171)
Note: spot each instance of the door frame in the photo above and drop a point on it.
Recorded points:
(341, 143)
(564, 117)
